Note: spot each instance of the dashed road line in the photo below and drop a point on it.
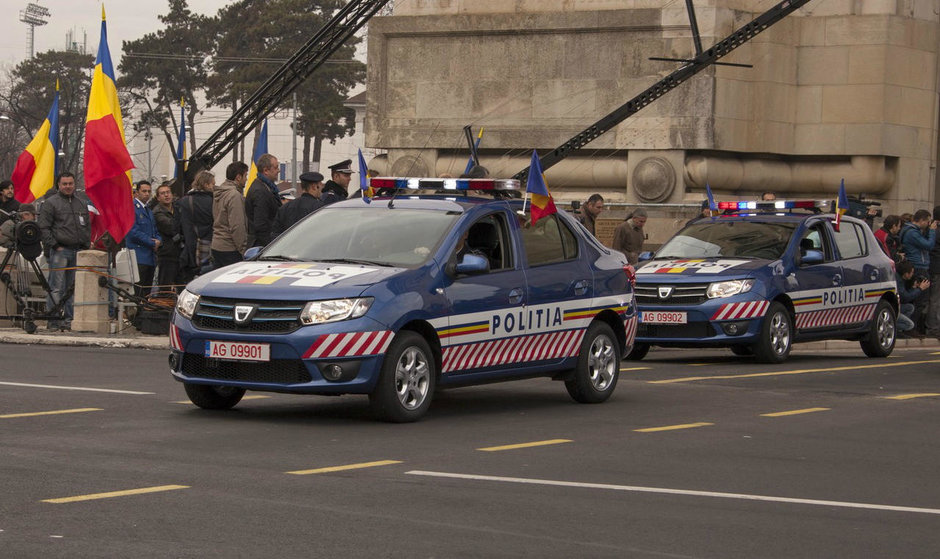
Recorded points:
(524, 445)
(793, 412)
(673, 427)
(683, 492)
(54, 412)
(112, 494)
(108, 390)
(796, 372)
(625, 369)
(344, 468)
(911, 396)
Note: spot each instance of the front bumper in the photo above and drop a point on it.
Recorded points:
(717, 322)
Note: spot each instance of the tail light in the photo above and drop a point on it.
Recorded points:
(631, 274)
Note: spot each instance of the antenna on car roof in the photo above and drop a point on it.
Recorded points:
(391, 202)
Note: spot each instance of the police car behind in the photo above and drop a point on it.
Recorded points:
(401, 296)
(764, 277)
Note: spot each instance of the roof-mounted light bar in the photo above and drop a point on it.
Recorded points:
(445, 184)
(776, 205)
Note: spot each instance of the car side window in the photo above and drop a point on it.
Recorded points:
(548, 241)
(815, 238)
(850, 238)
(489, 237)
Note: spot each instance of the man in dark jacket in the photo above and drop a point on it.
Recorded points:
(66, 229)
(8, 203)
(917, 240)
(143, 238)
(311, 184)
(168, 253)
(336, 188)
(933, 307)
(262, 202)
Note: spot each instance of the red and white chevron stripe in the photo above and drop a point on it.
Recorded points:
(350, 344)
(630, 326)
(735, 311)
(834, 317)
(520, 349)
(175, 341)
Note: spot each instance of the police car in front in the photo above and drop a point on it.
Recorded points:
(765, 275)
(406, 294)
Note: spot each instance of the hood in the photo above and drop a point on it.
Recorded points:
(291, 281)
(698, 269)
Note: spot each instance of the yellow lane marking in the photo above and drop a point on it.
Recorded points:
(524, 445)
(911, 396)
(796, 372)
(635, 368)
(672, 427)
(253, 397)
(56, 412)
(346, 467)
(793, 412)
(111, 494)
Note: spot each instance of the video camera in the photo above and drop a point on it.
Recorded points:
(858, 207)
(27, 236)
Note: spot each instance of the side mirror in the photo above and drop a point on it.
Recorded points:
(252, 253)
(812, 257)
(472, 264)
(644, 256)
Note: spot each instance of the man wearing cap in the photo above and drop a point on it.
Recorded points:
(335, 189)
(8, 228)
(262, 202)
(229, 223)
(311, 187)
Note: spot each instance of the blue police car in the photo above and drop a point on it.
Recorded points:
(406, 294)
(763, 276)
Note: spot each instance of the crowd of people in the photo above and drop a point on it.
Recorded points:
(173, 239)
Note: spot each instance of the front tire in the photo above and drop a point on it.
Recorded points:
(598, 368)
(883, 333)
(213, 397)
(776, 335)
(406, 382)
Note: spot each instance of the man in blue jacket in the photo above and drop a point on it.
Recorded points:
(917, 238)
(143, 238)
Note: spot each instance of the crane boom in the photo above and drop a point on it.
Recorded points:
(701, 61)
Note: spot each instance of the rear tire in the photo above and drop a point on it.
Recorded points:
(883, 332)
(213, 397)
(595, 376)
(776, 335)
(639, 352)
(406, 382)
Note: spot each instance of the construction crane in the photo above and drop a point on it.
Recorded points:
(693, 66)
(279, 86)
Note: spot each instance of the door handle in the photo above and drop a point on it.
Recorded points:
(837, 280)
(580, 287)
(515, 296)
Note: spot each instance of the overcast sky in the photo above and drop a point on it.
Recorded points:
(127, 20)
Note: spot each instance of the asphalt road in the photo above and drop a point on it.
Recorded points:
(698, 454)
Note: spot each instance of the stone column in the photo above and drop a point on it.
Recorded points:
(91, 300)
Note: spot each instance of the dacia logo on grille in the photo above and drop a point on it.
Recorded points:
(665, 292)
(243, 314)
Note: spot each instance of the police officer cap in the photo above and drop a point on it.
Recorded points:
(342, 167)
(311, 177)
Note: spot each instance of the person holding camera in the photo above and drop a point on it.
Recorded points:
(27, 212)
(917, 238)
(910, 290)
(168, 253)
(933, 307)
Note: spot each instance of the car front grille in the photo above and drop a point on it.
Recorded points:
(276, 371)
(272, 317)
(690, 330)
(682, 293)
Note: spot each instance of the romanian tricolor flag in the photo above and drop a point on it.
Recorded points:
(364, 180)
(260, 149)
(842, 205)
(35, 169)
(107, 161)
(542, 203)
(181, 143)
(476, 145)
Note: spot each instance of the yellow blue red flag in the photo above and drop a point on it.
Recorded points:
(364, 180)
(842, 205)
(107, 161)
(35, 169)
(542, 202)
(261, 148)
(181, 143)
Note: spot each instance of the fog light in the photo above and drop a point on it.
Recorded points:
(735, 328)
(174, 362)
(332, 372)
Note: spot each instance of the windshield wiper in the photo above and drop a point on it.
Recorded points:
(353, 261)
(280, 258)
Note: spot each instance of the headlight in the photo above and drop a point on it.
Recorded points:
(186, 303)
(728, 288)
(318, 312)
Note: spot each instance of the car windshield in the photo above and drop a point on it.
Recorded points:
(396, 237)
(741, 239)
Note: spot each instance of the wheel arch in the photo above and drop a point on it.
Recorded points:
(613, 320)
(429, 333)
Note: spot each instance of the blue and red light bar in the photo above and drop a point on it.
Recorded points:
(775, 205)
(444, 184)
